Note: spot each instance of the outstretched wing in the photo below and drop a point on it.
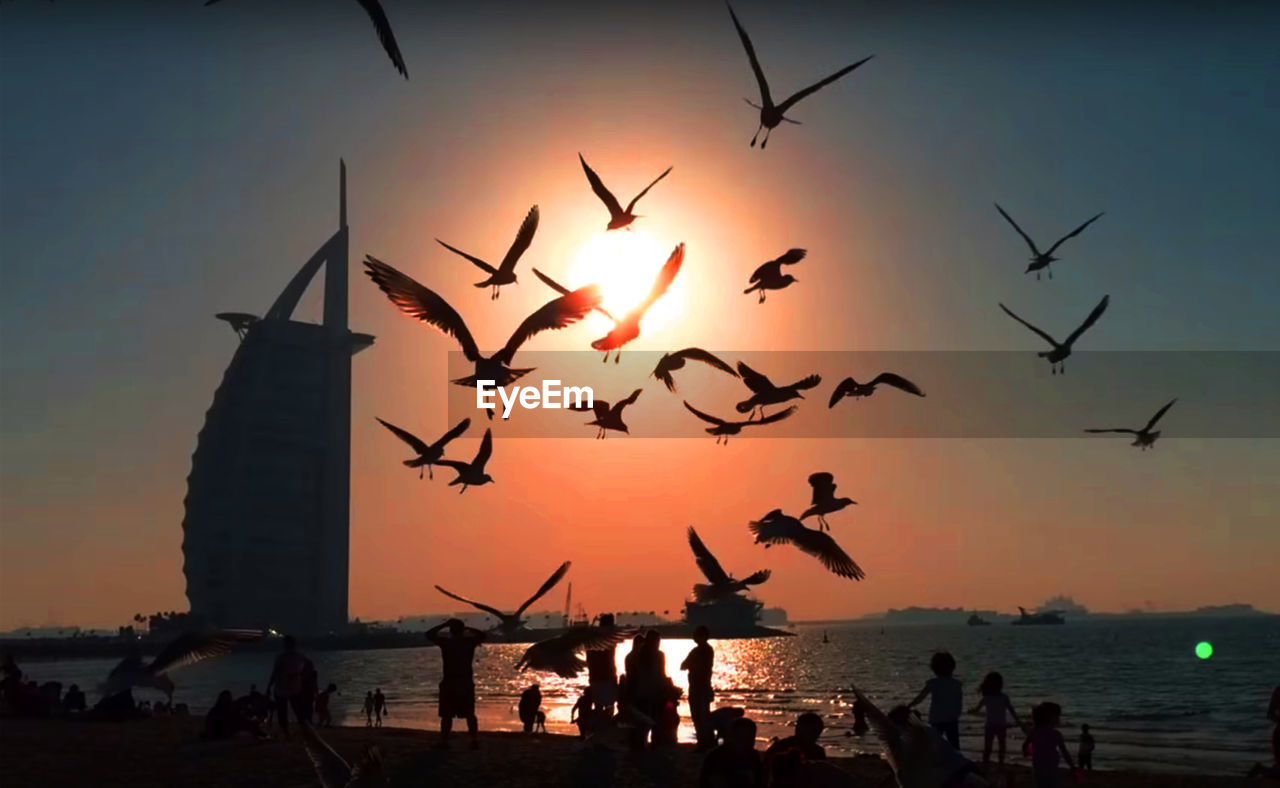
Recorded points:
(597, 186)
(807, 383)
(1159, 413)
(1025, 237)
(481, 264)
(765, 98)
(790, 256)
(824, 487)
(843, 388)
(646, 189)
(524, 237)
(388, 40)
(415, 443)
(756, 578)
(556, 577)
(417, 301)
(772, 417)
(710, 359)
(1042, 334)
(1088, 321)
(668, 273)
(705, 560)
(451, 434)
(754, 380)
(898, 382)
(486, 450)
(1116, 429)
(708, 419)
(821, 546)
(556, 313)
(190, 648)
(794, 97)
(630, 400)
(562, 290)
(1074, 233)
(888, 734)
(493, 611)
(330, 767)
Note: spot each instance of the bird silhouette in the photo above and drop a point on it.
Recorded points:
(559, 654)
(511, 623)
(670, 362)
(382, 26)
(1062, 349)
(562, 290)
(852, 388)
(778, 528)
(764, 392)
(505, 273)
(186, 649)
(1039, 259)
(617, 217)
(417, 301)
(824, 500)
(918, 756)
(769, 275)
(771, 115)
(428, 453)
(471, 474)
(608, 418)
(722, 429)
(719, 583)
(334, 771)
(1144, 438)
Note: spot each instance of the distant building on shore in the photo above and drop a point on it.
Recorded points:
(266, 529)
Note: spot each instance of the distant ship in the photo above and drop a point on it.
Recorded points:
(976, 620)
(729, 614)
(1047, 617)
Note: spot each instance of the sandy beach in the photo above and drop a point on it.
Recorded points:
(167, 752)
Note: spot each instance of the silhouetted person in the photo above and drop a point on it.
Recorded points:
(530, 702)
(380, 707)
(667, 722)
(324, 717)
(1084, 755)
(946, 698)
(74, 700)
(1045, 744)
(10, 678)
(584, 714)
(288, 684)
(1273, 714)
(784, 760)
(457, 686)
(860, 725)
(722, 720)
(602, 672)
(998, 710)
(700, 664)
(368, 709)
(225, 719)
(653, 688)
(306, 703)
(734, 764)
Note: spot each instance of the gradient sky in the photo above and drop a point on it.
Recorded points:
(160, 162)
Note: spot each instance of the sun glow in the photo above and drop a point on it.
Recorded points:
(625, 263)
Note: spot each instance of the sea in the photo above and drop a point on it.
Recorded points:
(1151, 701)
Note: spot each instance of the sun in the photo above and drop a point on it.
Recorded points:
(625, 263)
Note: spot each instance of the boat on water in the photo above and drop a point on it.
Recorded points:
(976, 620)
(1044, 617)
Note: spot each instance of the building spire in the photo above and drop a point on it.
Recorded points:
(342, 194)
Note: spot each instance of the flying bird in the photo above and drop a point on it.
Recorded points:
(417, 301)
(1062, 349)
(562, 290)
(764, 392)
(919, 757)
(333, 771)
(824, 500)
(617, 217)
(383, 28)
(722, 429)
(559, 654)
(852, 388)
(719, 583)
(1144, 438)
(511, 623)
(428, 453)
(670, 362)
(771, 115)
(769, 275)
(186, 649)
(608, 418)
(505, 273)
(778, 528)
(471, 474)
(1041, 259)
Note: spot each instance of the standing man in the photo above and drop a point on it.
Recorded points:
(699, 664)
(379, 706)
(457, 686)
(288, 684)
(602, 674)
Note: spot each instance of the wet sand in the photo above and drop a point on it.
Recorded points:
(166, 752)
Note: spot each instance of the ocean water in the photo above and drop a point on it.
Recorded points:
(1149, 701)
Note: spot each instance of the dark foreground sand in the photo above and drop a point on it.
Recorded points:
(166, 752)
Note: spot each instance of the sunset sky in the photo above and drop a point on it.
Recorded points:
(162, 162)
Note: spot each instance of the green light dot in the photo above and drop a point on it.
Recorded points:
(1204, 649)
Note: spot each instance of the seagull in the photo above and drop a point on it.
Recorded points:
(383, 27)
(719, 583)
(670, 362)
(1144, 438)
(764, 392)
(852, 388)
(772, 114)
(505, 273)
(511, 623)
(186, 649)
(471, 474)
(428, 454)
(617, 217)
(562, 290)
(1041, 259)
(559, 654)
(1062, 350)
(334, 772)
(825, 501)
(608, 418)
(918, 756)
(723, 429)
(778, 528)
(769, 276)
(417, 301)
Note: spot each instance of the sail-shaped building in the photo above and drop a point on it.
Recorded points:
(266, 528)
